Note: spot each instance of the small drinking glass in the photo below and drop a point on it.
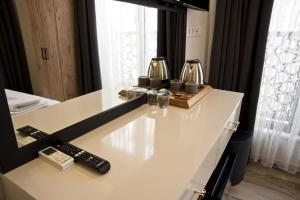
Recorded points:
(152, 98)
(163, 101)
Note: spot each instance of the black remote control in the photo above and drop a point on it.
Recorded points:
(99, 164)
(32, 132)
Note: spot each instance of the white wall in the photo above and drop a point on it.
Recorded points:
(199, 46)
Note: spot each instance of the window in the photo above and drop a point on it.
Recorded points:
(280, 87)
(276, 133)
(127, 40)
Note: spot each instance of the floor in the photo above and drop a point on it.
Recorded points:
(261, 183)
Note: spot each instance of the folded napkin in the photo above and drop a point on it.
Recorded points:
(27, 108)
(19, 102)
(18, 105)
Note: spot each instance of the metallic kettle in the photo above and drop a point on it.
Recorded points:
(158, 69)
(192, 72)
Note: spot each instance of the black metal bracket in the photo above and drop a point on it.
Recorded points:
(161, 5)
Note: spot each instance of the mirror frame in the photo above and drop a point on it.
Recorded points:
(157, 4)
(11, 156)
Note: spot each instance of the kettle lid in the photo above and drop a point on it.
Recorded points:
(159, 58)
(193, 61)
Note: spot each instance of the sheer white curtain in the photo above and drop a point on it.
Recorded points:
(276, 138)
(127, 35)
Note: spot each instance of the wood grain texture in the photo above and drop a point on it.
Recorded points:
(188, 100)
(27, 11)
(266, 183)
(26, 30)
(65, 23)
(50, 24)
(184, 100)
(45, 36)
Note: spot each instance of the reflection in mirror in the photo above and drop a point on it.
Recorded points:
(126, 47)
(53, 118)
(127, 40)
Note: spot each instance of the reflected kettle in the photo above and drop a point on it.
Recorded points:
(192, 72)
(158, 69)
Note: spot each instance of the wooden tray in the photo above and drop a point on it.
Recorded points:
(184, 100)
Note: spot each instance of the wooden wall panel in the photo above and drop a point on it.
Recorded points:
(50, 24)
(64, 11)
(44, 20)
(32, 57)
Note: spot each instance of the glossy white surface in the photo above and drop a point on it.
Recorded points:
(62, 115)
(154, 153)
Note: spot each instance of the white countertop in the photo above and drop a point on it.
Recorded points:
(59, 116)
(153, 154)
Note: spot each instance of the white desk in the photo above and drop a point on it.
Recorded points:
(154, 154)
(67, 113)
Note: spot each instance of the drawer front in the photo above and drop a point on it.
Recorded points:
(206, 169)
(200, 179)
(229, 129)
(222, 143)
(189, 194)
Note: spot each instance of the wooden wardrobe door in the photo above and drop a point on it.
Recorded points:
(44, 35)
(64, 12)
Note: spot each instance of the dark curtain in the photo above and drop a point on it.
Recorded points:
(239, 44)
(87, 46)
(171, 39)
(13, 63)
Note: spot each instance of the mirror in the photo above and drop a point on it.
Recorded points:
(48, 32)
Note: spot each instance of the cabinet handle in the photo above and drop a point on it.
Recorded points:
(45, 54)
(232, 126)
(195, 190)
